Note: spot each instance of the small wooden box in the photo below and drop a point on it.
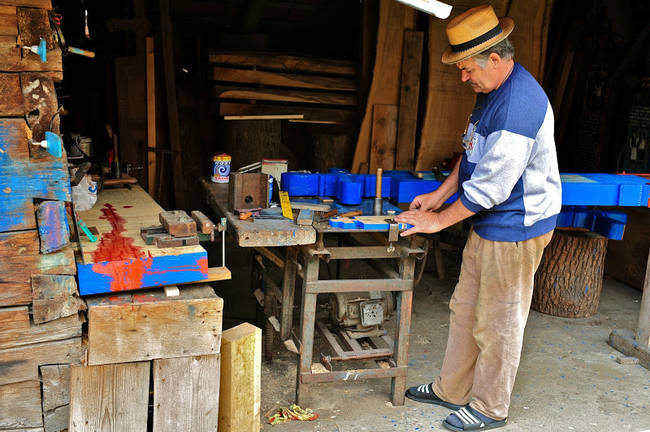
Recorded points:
(248, 191)
(146, 325)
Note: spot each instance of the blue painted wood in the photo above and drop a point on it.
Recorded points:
(53, 229)
(608, 223)
(104, 277)
(577, 189)
(22, 180)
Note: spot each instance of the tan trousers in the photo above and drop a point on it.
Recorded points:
(489, 309)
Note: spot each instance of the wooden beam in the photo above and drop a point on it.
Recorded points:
(59, 329)
(11, 103)
(409, 100)
(151, 116)
(283, 62)
(186, 394)
(172, 106)
(241, 362)
(20, 405)
(283, 95)
(55, 296)
(38, 4)
(384, 135)
(111, 397)
(310, 114)
(148, 325)
(280, 79)
(266, 117)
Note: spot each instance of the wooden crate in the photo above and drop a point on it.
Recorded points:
(148, 325)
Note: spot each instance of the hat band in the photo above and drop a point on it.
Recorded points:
(478, 40)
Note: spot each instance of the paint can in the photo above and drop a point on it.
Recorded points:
(220, 168)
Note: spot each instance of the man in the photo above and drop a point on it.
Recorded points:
(509, 187)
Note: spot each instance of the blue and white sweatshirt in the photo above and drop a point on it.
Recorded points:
(508, 174)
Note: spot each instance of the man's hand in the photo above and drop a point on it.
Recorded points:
(422, 221)
(425, 202)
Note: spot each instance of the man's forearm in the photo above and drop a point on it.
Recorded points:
(453, 214)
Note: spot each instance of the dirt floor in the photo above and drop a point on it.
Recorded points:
(568, 380)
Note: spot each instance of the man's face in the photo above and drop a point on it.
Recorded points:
(481, 80)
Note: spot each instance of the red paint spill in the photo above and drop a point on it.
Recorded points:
(127, 206)
(114, 246)
(114, 299)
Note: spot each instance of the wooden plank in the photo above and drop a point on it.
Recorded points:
(20, 258)
(56, 386)
(305, 217)
(41, 106)
(20, 405)
(394, 18)
(21, 364)
(167, 31)
(266, 117)
(177, 223)
(33, 24)
(120, 259)
(14, 319)
(40, 4)
(281, 79)
(57, 420)
(109, 398)
(59, 329)
(12, 103)
(449, 101)
(8, 21)
(384, 136)
(151, 115)
(241, 362)
(23, 178)
(214, 274)
(55, 296)
(186, 394)
(53, 229)
(283, 95)
(283, 62)
(313, 114)
(409, 100)
(148, 325)
(528, 39)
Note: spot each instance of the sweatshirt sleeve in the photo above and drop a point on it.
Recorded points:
(497, 172)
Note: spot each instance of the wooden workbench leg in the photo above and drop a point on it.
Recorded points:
(307, 322)
(288, 290)
(643, 328)
(402, 330)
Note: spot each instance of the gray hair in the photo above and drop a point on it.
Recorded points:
(503, 49)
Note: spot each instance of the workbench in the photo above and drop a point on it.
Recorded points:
(305, 249)
(120, 260)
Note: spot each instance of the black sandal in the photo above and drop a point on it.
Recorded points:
(472, 420)
(424, 393)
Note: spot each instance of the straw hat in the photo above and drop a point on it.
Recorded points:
(474, 31)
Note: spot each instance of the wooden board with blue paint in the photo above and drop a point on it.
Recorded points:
(120, 259)
(24, 179)
(366, 223)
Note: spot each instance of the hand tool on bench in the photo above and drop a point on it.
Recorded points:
(378, 208)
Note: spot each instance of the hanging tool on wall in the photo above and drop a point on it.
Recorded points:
(55, 23)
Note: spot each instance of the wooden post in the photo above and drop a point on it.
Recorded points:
(409, 97)
(643, 328)
(151, 116)
(166, 30)
(239, 401)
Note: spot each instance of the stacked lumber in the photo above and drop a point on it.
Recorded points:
(387, 135)
(252, 85)
(40, 324)
(131, 333)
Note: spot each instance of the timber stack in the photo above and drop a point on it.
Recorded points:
(40, 323)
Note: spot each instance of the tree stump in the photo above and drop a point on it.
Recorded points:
(570, 276)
